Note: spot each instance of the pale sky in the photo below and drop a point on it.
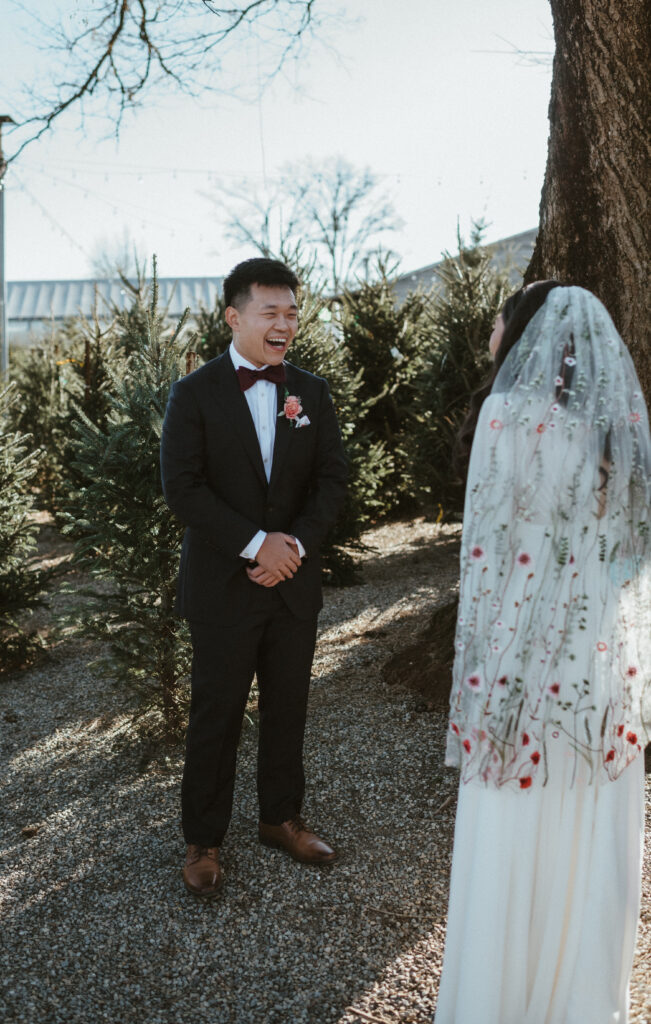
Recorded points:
(453, 130)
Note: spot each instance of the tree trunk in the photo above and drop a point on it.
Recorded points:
(594, 209)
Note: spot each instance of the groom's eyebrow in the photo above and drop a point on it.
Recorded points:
(274, 305)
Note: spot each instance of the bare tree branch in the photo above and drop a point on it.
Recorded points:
(333, 209)
(530, 58)
(120, 49)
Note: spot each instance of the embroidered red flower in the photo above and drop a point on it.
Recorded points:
(535, 757)
(454, 727)
(524, 558)
(631, 671)
(634, 417)
(477, 552)
(601, 646)
(466, 746)
(631, 737)
(502, 681)
(610, 756)
(620, 730)
(474, 681)
(540, 429)
(555, 688)
(525, 782)
(496, 424)
(525, 739)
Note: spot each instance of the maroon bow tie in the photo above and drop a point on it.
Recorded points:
(247, 377)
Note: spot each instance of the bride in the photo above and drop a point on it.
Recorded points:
(551, 704)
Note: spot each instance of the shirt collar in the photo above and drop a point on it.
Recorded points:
(239, 360)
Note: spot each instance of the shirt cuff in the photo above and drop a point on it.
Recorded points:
(301, 549)
(251, 550)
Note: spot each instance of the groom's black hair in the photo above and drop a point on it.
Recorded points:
(259, 270)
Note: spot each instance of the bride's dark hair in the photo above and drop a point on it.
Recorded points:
(516, 313)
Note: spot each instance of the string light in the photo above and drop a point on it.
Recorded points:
(209, 175)
(116, 207)
(36, 202)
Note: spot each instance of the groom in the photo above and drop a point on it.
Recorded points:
(252, 463)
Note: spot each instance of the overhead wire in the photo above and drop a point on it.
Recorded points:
(50, 216)
(113, 203)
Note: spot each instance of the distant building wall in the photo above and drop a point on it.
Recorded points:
(513, 252)
(33, 307)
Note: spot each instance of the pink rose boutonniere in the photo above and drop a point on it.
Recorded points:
(292, 410)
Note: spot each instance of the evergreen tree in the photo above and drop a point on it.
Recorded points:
(95, 360)
(64, 372)
(99, 358)
(386, 348)
(469, 296)
(213, 333)
(131, 321)
(21, 588)
(126, 537)
(316, 348)
(42, 407)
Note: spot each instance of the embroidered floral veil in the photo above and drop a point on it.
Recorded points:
(553, 642)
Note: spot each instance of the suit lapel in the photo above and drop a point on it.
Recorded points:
(284, 429)
(236, 408)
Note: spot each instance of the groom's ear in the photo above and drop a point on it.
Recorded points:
(232, 317)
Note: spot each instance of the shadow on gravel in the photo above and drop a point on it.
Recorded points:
(35, 707)
(98, 927)
(422, 555)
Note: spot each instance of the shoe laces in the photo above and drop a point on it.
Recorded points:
(196, 852)
(297, 824)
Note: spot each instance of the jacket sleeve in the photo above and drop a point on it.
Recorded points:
(186, 492)
(328, 492)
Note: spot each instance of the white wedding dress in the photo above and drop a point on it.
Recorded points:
(549, 707)
(544, 902)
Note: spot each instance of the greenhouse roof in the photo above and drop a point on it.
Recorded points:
(45, 301)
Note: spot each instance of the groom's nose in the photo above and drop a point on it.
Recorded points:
(283, 323)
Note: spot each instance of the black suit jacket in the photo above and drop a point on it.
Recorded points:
(214, 481)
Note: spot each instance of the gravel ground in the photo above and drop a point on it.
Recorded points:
(96, 923)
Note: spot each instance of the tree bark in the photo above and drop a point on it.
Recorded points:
(594, 208)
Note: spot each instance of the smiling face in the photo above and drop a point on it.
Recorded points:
(264, 326)
(496, 336)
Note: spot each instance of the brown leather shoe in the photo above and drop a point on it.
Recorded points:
(300, 843)
(201, 873)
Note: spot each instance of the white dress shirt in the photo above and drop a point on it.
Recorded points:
(262, 401)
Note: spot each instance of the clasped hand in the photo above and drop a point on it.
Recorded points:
(278, 559)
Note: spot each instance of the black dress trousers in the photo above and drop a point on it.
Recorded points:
(279, 647)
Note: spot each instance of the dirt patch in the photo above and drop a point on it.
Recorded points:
(425, 666)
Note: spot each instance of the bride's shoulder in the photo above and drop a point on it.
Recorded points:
(494, 407)
(495, 400)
